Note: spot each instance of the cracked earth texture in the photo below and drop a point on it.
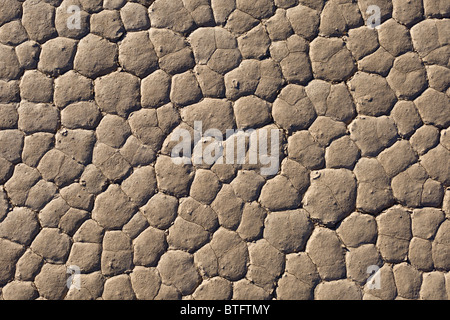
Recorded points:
(86, 177)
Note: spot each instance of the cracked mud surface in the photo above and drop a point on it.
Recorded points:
(86, 177)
